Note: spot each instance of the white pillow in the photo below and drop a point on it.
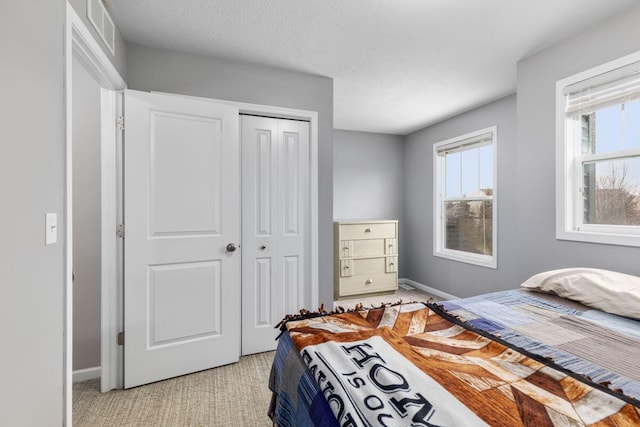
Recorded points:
(605, 290)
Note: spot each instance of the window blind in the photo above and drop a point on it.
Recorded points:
(604, 90)
(466, 144)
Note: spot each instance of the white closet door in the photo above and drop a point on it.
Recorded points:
(275, 226)
(182, 203)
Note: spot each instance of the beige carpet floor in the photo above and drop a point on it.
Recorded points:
(234, 395)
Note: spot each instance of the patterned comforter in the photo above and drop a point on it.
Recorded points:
(412, 364)
(598, 345)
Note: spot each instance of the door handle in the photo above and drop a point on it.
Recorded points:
(231, 247)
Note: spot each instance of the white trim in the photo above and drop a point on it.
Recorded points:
(79, 43)
(109, 253)
(117, 364)
(313, 217)
(312, 117)
(567, 201)
(427, 289)
(564, 205)
(86, 374)
(467, 258)
(87, 50)
(438, 180)
(67, 357)
(603, 238)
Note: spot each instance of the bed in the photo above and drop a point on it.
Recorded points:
(519, 357)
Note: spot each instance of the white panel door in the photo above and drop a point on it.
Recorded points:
(275, 226)
(181, 198)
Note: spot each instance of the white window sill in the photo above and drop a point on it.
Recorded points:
(601, 238)
(468, 258)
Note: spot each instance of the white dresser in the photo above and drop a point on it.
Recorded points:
(365, 257)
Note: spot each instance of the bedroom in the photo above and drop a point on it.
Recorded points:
(527, 199)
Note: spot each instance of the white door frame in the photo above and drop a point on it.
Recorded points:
(79, 43)
(109, 345)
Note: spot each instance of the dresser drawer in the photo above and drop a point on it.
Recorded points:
(392, 264)
(362, 248)
(368, 283)
(355, 267)
(368, 231)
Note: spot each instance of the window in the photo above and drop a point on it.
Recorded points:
(465, 198)
(598, 159)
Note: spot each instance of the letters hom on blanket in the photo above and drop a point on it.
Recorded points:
(407, 365)
(386, 383)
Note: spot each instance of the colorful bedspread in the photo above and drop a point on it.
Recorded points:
(409, 365)
(601, 346)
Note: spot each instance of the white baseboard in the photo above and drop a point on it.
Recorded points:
(86, 374)
(428, 289)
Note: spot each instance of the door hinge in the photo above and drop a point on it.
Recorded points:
(120, 122)
(120, 231)
(120, 338)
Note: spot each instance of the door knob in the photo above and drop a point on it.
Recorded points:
(231, 247)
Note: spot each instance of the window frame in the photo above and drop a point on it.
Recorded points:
(569, 167)
(439, 179)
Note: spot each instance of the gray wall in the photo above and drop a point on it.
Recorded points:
(449, 276)
(535, 159)
(119, 60)
(162, 70)
(368, 178)
(86, 219)
(31, 184)
(367, 175)
(526, 174)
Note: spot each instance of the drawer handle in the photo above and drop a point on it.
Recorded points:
(368, 230)
(368, 282)
(390, 263)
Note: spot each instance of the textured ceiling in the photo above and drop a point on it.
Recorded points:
(397, 65)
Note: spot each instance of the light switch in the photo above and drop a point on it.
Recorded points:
(51, 228)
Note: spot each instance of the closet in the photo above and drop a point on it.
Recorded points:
(216, 208)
